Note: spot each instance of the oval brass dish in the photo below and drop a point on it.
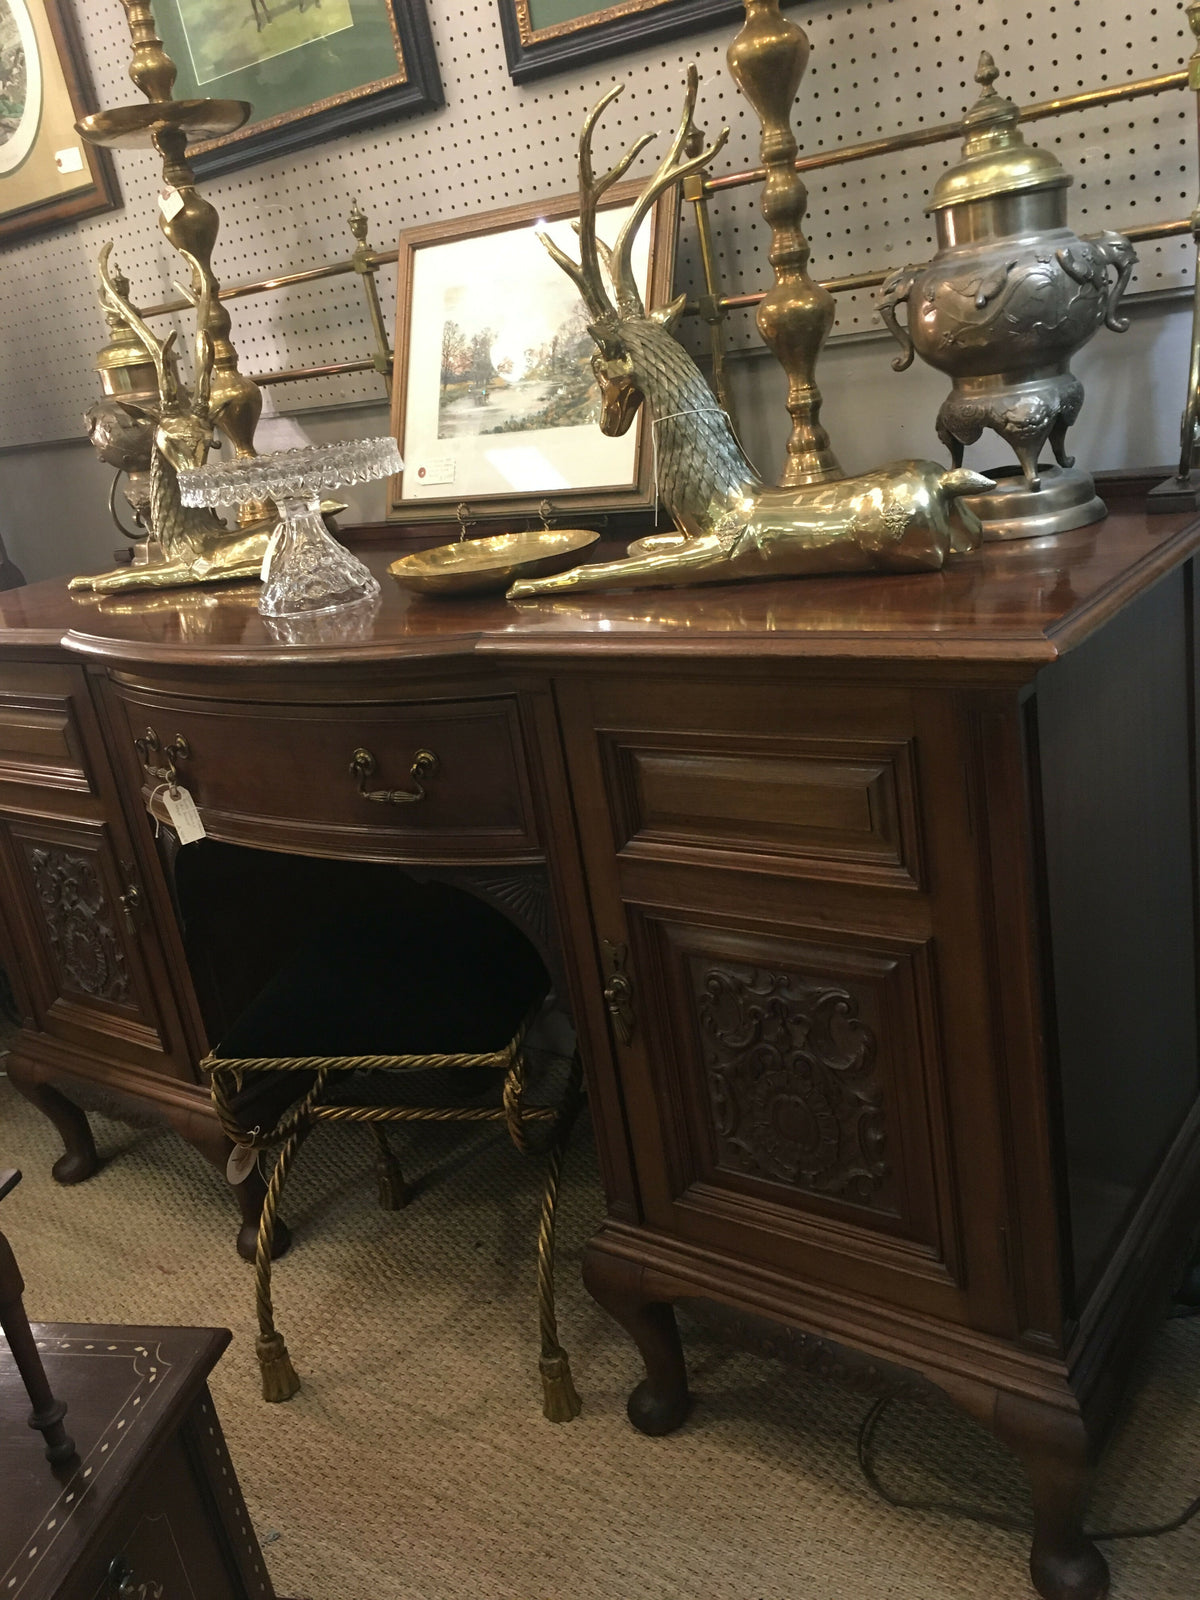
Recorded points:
(488, 566)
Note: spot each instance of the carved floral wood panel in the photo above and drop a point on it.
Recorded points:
(80, 923)
(793, 1081)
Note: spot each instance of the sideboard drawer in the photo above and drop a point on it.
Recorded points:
(40, 740)
(828, 808)
(444, 776)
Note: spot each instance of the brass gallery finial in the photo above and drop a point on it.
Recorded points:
(987, 72)
(768, 60)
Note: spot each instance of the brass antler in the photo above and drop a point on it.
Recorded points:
(204, 352)
(629, 300)
(159, 349)
(586, 274)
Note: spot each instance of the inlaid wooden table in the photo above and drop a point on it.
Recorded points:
(150, 1509)
(874, 900)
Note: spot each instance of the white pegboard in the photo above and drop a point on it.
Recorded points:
(878, 66)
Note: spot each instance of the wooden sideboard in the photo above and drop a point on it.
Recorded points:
(874, 901)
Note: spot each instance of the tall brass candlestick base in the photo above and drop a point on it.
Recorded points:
(188, 221)
(768, 59)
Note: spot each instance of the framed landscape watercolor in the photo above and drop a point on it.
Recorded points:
(542, 36)
(494, 402)
(48, 175)
(311, 69)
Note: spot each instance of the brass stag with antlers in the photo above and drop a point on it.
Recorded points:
(197, 546)
(905, 517)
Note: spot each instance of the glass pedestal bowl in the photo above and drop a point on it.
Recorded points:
(305, 570)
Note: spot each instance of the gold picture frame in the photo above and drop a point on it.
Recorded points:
(48, 175)
(494, 405)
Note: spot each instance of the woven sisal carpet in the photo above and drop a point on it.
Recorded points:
(415, 1463)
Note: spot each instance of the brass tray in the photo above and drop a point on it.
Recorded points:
(489, 566)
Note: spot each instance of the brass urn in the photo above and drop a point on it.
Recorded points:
(1009, 298)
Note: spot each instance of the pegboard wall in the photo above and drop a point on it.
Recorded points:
(878, 67)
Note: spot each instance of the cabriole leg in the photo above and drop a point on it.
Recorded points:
(79, 1159)
(660, 1402)
(1053, 1445)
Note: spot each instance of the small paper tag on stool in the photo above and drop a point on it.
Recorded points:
(243, 1159)
(185, 819)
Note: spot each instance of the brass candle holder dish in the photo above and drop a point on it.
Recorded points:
(489, 566)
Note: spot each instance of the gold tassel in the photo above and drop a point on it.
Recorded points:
(560, 1402)
(279, 1378)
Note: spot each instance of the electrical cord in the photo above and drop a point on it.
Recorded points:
(996, 1519)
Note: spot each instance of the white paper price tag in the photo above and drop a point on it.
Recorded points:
(70, 159)
(185, 819)
(439, 470)
(170, 203)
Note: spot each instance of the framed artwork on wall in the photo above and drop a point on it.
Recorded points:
(542, 36)
(47, 174)
(494, 403)
(311, 69)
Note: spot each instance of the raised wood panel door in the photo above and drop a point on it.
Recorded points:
(90, 957)
(786, 888)
(801, 1091)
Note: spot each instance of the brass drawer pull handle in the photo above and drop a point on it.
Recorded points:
(150, 745)
(363, 766)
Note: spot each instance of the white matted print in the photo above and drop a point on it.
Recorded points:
(499, 396)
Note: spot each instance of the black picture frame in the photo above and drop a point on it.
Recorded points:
(420, 89)
(618, 26)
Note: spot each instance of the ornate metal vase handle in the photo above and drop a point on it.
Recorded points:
(894, 291)
(363, 766)
(1119, 253)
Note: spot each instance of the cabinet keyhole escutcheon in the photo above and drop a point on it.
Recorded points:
(618, 991)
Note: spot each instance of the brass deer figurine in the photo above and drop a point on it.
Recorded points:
(197, 546)
(901, 518)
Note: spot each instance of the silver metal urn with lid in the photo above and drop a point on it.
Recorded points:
(1009, 298)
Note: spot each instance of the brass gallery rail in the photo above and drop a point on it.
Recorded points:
(367, 262)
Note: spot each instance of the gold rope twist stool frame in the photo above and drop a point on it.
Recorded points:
(561, 1402)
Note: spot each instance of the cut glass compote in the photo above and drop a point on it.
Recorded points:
(305, 570)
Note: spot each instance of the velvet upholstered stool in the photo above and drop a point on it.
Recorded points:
(381, 1018)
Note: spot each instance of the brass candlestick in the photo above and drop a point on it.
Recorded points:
(768, 59)
(1182, 492)
(188, 221)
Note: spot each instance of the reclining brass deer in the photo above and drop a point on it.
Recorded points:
(905, 517)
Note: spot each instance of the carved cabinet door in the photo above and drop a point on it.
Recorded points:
(90, 958)
(785, 902)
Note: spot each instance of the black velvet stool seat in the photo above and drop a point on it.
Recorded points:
(386, 1016)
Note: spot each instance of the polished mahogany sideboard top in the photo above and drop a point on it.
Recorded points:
(873, 900)
(1020, 604)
